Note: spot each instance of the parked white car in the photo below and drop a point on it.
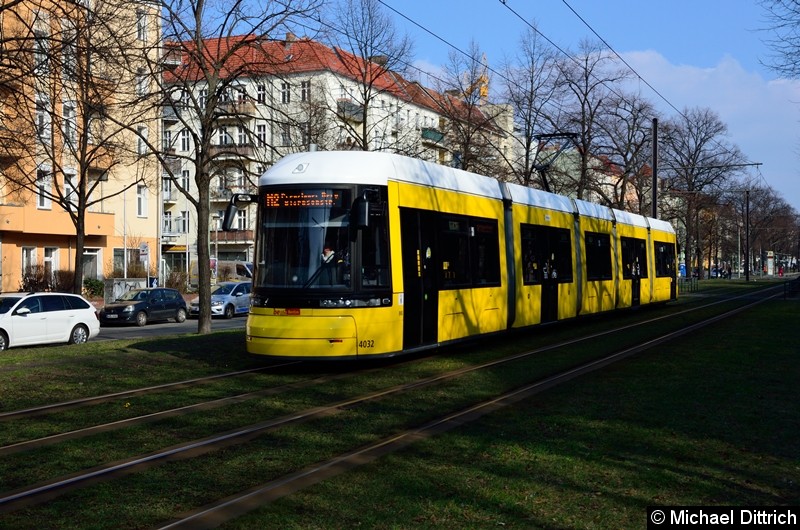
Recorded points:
(27, 319)
(228, 299)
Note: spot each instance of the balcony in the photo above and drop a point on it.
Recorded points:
(432, 135)
(172, 166)
(231, 151)
(349, 110)
(236, 237)
(235, 110)
(171, 114)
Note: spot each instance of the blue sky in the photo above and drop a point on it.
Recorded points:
(696, 53)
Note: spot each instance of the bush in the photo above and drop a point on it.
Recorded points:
(176, 280)
(92, 287)
(36, 278)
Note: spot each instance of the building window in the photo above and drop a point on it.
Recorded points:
(141, 200)
(185, 144)
(43, 185)
(41, 52)
(50, 263)
(28, 259)
(70, 126)
(202, 98)
(141, 25)
(43, 124)
(166, 189)
(166, 140)
(184, 228)
(141, 82)
(141, 145)
(167, 224)
(241, 135)
(305, 91)
(305, 133)
(69, 52)
(261, 134)
(185, 179)
(286, 93)
(70, 188)
(261, 93)
(224, 138)
(241, 220)
(286, 134)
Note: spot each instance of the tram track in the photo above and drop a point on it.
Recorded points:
(41, 492)
(230, 400)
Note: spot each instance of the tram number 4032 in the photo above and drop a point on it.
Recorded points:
(366, 344)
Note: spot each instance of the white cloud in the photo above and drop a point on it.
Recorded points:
(763, 116)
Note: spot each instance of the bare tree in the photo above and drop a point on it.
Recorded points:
(697, 162)
(472, 126)
(626, 125)
(588, 78)
(783, 20)
(213, 49)
(530, 81)
(71, 104)
(375, 53)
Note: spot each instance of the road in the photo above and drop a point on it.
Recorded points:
(158, 329)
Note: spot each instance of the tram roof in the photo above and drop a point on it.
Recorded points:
(376, 168)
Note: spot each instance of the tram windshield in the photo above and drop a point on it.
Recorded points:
(307, 242)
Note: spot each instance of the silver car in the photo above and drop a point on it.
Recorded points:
(227, 300)
(27, 319)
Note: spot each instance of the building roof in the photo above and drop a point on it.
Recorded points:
(246, 56)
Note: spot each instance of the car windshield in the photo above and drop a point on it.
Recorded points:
(134, 295)
(222, 289)
(7, 302)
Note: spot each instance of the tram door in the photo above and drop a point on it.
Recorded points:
(421, 298)
(634, 264)
(549, 293)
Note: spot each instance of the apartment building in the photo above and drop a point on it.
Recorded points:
(77, 183)
(297, 94)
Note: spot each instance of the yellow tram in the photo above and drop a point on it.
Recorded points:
(366, 254)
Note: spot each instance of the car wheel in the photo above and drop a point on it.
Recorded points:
(229, 311)
(141, 318)
(79, 335)
(3, 341)
(180, 316)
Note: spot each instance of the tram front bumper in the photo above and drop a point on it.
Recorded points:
(302, 336)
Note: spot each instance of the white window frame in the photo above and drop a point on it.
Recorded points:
(70, 125)
(44, 187)
(286, 93)
(185, 140)
(141, 25)
(261, 134)
(141, 200)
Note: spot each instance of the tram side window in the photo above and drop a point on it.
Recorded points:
(598, 256)
(546, 254)
(470, 252)
(375, 264)
(665, 260)
(485, 252)
(634, 258)
(454, 244)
